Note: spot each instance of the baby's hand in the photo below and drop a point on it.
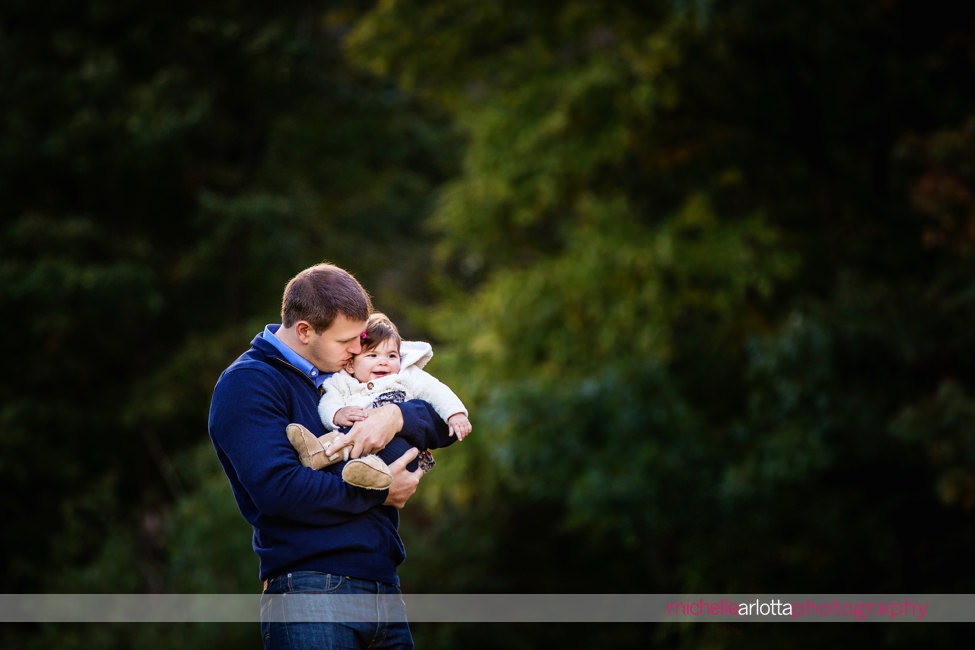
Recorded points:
(459, 425)
(349, 415)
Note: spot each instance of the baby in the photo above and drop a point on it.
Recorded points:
(387, 371)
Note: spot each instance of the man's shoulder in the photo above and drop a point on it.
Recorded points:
(250, 366)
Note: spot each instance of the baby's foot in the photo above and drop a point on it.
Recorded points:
(368, 472)
(313, 451)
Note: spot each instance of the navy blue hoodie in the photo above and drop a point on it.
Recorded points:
(303, 519)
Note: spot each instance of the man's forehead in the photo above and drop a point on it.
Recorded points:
(344, 328)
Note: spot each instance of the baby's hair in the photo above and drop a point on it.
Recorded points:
(379, 329)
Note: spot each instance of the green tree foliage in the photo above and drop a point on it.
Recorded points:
(703, 274)
(711, 274)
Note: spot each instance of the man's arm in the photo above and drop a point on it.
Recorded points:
(247, 424)
(415, 421)
(430, 389)
(374, 433)
(423, 427)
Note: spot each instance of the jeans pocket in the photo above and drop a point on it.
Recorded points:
(333, 583)
(310, 582)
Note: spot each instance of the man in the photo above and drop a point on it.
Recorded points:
(312, 531)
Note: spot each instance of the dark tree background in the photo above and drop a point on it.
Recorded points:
(703, 271)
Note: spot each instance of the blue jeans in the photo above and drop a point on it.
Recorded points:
(307, 609)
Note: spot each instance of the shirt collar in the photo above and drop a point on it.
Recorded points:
(295, 359)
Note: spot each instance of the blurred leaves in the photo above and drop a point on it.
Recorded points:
(701, 272)
(942, 426)
(692, 292)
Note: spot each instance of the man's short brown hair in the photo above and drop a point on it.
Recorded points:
(320, 293)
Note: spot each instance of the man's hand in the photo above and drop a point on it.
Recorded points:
(404, 482)
(374, 433)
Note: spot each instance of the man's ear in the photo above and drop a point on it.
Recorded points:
(304, 330)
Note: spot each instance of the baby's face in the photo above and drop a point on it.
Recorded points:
(379, 362)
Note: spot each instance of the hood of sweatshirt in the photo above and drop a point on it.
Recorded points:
(414, 353)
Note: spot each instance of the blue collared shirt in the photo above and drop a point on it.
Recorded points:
(295, 359)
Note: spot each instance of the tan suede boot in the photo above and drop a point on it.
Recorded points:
(313, 451)
(368, 472)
